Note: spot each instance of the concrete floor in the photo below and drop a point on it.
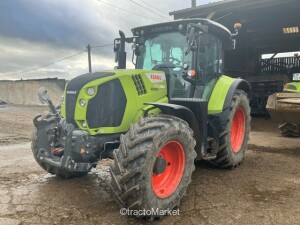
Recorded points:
(265, 189)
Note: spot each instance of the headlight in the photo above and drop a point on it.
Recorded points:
(83, 124)
(91, 91)
(62, 100)
(82, 102)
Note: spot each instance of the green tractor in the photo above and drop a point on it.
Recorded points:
(175, 107)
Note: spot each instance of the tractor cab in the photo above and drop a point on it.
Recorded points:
(189, 52)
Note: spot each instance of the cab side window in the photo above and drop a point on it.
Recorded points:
(210, 55)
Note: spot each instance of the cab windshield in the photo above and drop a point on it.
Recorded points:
(167, 48)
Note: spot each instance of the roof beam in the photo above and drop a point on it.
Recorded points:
(227, 6)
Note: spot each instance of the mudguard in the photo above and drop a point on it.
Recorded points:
(237, 84)
(178, 111)
(222, 94)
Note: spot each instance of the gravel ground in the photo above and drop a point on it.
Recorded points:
(265, 189)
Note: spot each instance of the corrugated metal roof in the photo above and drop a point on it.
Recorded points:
(263, 21)
(215, 2)
(207, 5)
(222, 5)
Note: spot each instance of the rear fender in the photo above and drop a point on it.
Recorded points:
(238, 84)
(223, 92)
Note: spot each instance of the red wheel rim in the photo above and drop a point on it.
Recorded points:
(237, 130)
(165, 184)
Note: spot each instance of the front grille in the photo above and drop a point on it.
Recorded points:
(73, 88)
(139, 84)
(107, 108)
(71, 100)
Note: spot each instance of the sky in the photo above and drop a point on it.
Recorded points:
(35, 33)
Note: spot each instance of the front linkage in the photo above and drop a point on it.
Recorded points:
(58, 147)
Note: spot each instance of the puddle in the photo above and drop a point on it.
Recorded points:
(268, 195)
(34, 178)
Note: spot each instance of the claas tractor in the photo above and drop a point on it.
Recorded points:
(154, 121)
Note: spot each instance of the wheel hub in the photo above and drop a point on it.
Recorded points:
(159, 165)
(168, 169)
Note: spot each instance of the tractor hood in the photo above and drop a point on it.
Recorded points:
(104, 102)
(73, 89)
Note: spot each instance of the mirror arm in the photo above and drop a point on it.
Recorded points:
(236, 32)
(237, 27)
(132, 59)
(119, 49)
(43, 96)
(51, 106)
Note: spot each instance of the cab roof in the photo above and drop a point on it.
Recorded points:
(181, 26)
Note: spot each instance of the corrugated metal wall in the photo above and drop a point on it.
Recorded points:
(278, 66)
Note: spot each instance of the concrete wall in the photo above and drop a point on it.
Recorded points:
(25, 91)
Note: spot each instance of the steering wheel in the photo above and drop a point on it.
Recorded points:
(172, 60)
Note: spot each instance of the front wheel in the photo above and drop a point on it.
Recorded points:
(153, 165)
(233, 140)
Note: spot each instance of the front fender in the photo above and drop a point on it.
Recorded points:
(176, 110)
(194, 112)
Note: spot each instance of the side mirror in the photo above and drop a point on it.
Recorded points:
(43, 96)
(190, 37)
(193, 32)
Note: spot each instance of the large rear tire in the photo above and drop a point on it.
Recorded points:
(153, 165)
(233, 140)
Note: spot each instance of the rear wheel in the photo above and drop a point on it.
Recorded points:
(153, 165)
(233, 140)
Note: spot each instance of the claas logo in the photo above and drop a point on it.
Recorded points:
(155, 77)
